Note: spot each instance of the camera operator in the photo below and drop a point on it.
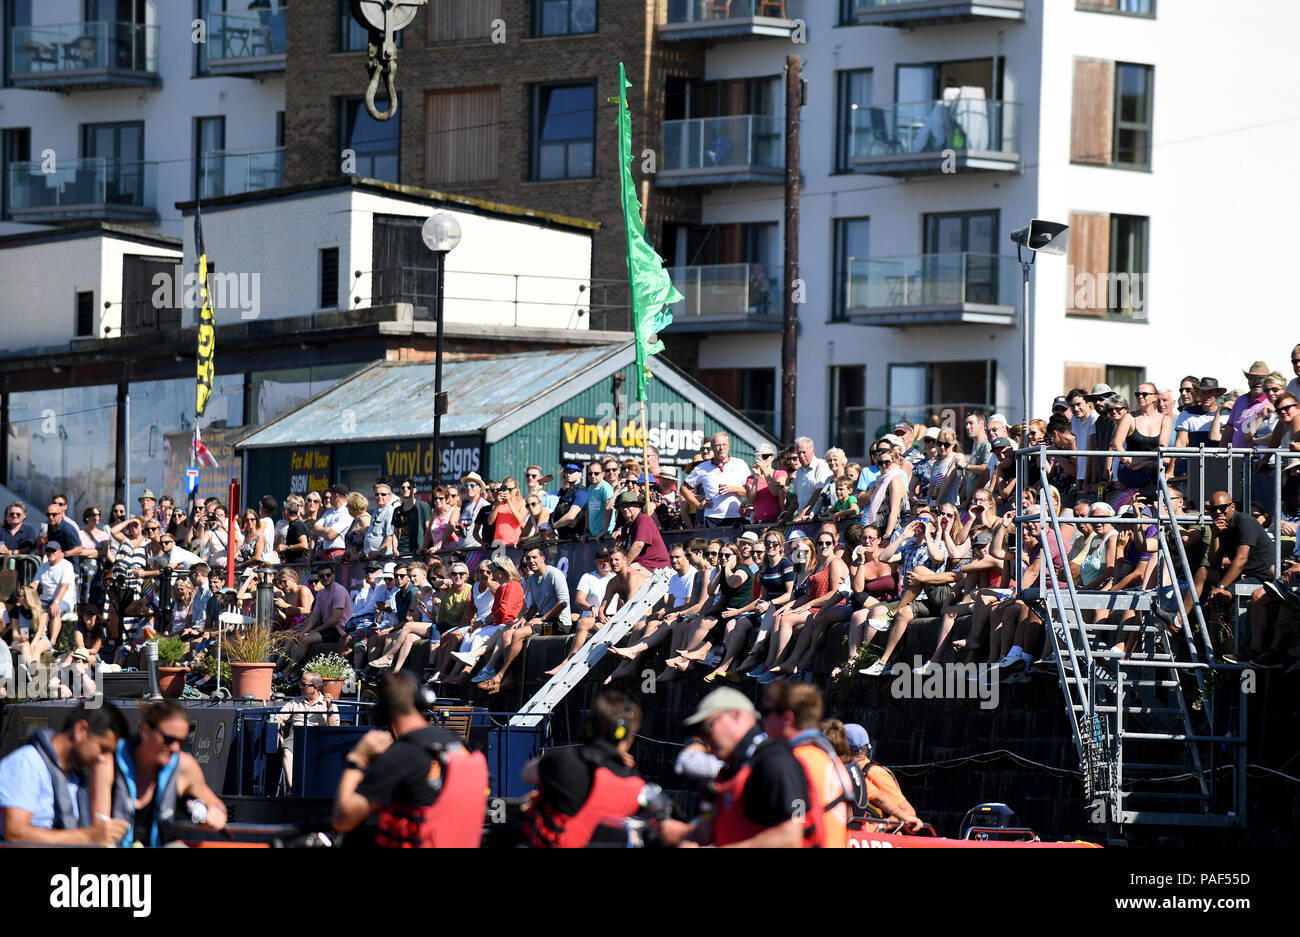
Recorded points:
(426, 788)
(579, 786)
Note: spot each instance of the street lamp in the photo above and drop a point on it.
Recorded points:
(1047, 237)
(441, 234)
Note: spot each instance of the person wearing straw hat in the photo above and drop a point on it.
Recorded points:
(1250, 407)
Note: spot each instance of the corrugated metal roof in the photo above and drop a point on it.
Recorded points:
(394, 399)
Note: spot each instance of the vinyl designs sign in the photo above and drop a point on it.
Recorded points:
(414, 459)
(582, 440)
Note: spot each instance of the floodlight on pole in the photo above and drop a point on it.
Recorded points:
(441, 234)
(1045, 237)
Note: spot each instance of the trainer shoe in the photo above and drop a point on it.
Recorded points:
(931, 666)
(875, 670)
(1239, 657)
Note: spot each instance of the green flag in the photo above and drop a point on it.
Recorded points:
(652, 290)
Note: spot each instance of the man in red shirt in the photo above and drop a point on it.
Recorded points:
(640, 536)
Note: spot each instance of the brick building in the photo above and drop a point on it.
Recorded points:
(469, 105)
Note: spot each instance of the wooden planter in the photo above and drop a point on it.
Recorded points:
(171, 681)
(251, 679)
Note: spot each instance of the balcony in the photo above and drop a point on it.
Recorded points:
(726, 297)
(909, 14)
(84, 56)
(246, 43)
(226, 172)
(103, 189)
(933, 289)
(692, 20)
(936, 137)
(717, 150)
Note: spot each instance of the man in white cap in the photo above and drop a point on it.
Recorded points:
(760, 797)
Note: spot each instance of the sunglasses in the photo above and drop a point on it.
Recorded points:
(1186, 390)
(326, 575)
(825, 543)
(712, 554)
(870, 539)
(945, 445)
(169, 740)
(1219, 508)
(1285, 407)
(473, 485)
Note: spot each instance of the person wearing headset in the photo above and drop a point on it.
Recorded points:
(579, 786)
(427, 789)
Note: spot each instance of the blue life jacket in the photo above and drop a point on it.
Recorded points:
(64, 818)
(164, 798)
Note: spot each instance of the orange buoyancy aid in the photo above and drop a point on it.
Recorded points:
(610, 796)
(454, 820)
(829, 787)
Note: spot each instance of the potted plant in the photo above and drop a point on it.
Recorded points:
(252, 652)
(332, 669)
(171, 675)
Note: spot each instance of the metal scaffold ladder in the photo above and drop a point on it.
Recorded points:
(1147, 755)
(580, 664)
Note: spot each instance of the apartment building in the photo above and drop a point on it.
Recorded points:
(933, 129)
(115, 110)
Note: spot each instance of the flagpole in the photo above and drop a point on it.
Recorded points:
(645, 458)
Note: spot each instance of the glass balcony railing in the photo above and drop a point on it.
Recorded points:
(225, 172)
(722, 143)
(936, 12)
(891, 284)
(730, 291)
(82, 188)
(930, 127)
(699, 11)
(79, 50)
(237, 38)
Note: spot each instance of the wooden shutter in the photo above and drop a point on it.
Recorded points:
(463, 136)
(462, 20)
(724, 382)
(1085, 376)
(735, 97)
(1086, 273)
(1094, 111)
(1105, 6)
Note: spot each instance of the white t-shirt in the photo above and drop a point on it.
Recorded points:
(177, 555)
(809, 480)
(337, 519)
(679, 587)
(1082, 429)
(483, 601)
(593, 586)
(707, 478)
(51, 577)
(266, 528)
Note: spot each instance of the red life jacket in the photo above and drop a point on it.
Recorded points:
(730, 825)
(610, 796)
(454, 820)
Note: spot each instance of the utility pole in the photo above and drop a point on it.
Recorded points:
(790, 332)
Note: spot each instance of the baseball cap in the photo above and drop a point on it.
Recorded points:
(568, 467)
(857, 737)
(1000, 442)
(720, 700)
(53, 545)
(904, 426)
(627, 498)
(932, 433)
(338, 488)
(983, 538)
(999, 418)
(892, 440)
(1060, 404)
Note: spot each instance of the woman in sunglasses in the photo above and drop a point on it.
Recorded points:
(151, 779)
(443, 530)
(949, 468)
(508, 514)
(886, 499)
(802, 628)
(875, 586)
(538, 521)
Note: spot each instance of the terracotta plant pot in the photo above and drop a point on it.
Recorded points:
(171, 681)
(253, 679)
(332, 688)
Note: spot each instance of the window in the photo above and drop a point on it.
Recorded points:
(848, 428)
(279, 128)
(122, 146)
(847, 8)
(209, 171)
(15, 147)
(353, 37)
(1107, 270)
(756, 397)
(18, 15)
(854, 91)
(464, 131)
(852, 239)
(1132, 116)
(1126, 291)
(1124, 380)
(563, 132)
(1126, 7)
(85, 314)
(1112, 114)
(329, 278)
(943, 388)
(564, 17)
(375, 143)
(974, 233)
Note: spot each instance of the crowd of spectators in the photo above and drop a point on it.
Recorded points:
(783, 549)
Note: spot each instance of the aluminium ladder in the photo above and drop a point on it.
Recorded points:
(591, 653)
